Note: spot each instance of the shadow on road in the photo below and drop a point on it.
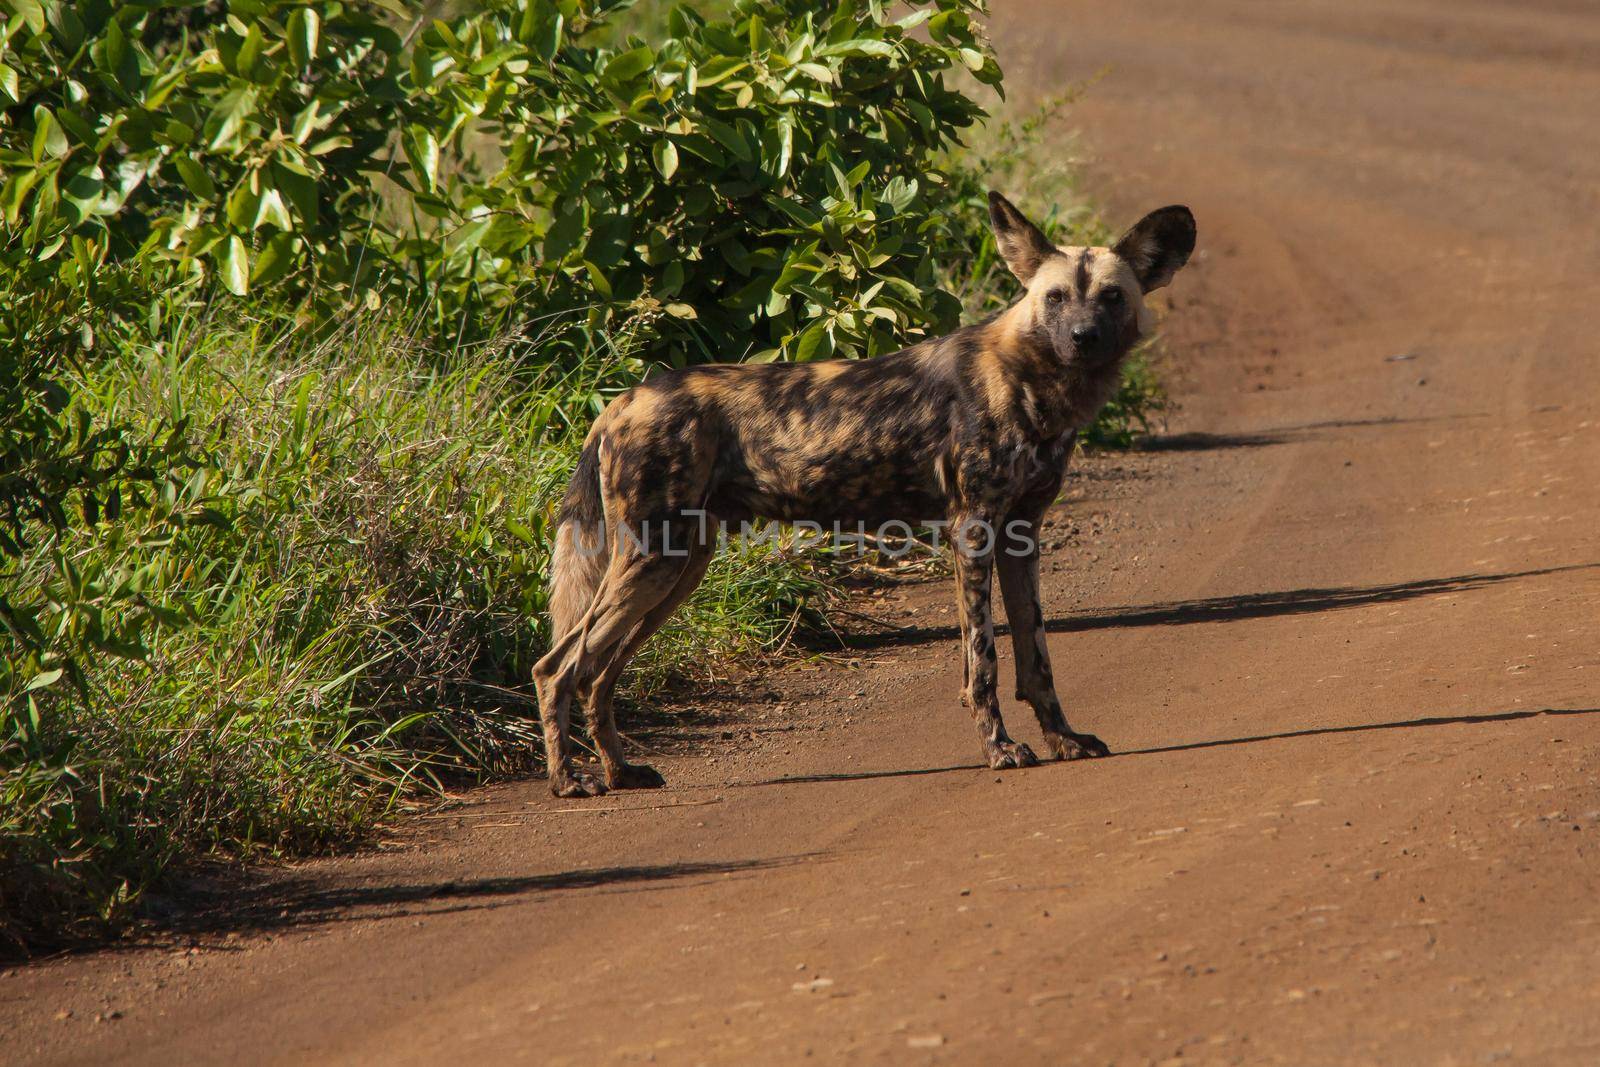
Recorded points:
(860, 776)
(1229, 608)
(1200, 441)
(1208, 442)
(1291, 601)
(1223, 742)
(241, 904)
(1403, 724)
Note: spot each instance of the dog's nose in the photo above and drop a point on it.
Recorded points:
(1085, 333)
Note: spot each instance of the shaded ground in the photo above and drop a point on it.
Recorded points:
(1341, 626)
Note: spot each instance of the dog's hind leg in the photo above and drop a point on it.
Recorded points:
(598, 704)
(1018, 564)
(635, 582)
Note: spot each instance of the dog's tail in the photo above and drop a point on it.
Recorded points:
(581, 552)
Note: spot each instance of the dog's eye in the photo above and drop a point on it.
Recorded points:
(1053, 297)
(1112, 297)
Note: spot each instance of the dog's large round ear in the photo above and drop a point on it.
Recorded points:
(1022, 244)
(1158, 245)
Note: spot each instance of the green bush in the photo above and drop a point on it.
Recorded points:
(767, 183)
(764, 182)
(200, 143)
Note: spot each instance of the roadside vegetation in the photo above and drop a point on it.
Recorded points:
(304, 309)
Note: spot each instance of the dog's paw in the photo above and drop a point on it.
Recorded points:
(576, 784)
(1004, 754)
(1077, 746)
(636, 776)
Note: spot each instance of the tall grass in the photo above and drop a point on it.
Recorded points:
(354, 594)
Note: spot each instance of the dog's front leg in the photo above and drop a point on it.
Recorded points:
(974, 560)
(1018, 563)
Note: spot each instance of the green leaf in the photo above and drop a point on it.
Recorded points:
(815, 343)
(83, 188)
(671, 279)
(250, 52)
(44, 679)
(227, 119)
(233, 266)
(117, 59)
(947, 25)
(15, 192)
(179, 133)
(900, 193)
(924, 116)
(597, 278)
(304, 27)
(562, 237)
(630, 64)
(275, 260)
(719, 69)
(422, 149)
(858, 46)
(330, 144)
(48, 137)
(31, 12)
(729, 138)
(300, 188)
(494, 60)
(666, 157)
(272, 212)
(305, 123)
(243, 203)
(520, 532)
(785, 143)
(541, 29)
(9, 85)
(195, 177)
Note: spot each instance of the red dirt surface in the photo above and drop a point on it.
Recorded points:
(1341, 630)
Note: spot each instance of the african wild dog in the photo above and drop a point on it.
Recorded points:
(975, 427)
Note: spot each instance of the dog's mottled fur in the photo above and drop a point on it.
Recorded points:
(975, 426)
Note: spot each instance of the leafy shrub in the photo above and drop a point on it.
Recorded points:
(196, 141)
(766, 180)
(769, 181)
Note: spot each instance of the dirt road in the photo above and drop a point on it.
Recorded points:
(1342, 630)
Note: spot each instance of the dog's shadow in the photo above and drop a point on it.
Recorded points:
(1204, 441)
(1192, 746)
(1233, 608)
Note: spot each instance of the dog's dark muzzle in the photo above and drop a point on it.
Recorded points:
(1089, 340)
